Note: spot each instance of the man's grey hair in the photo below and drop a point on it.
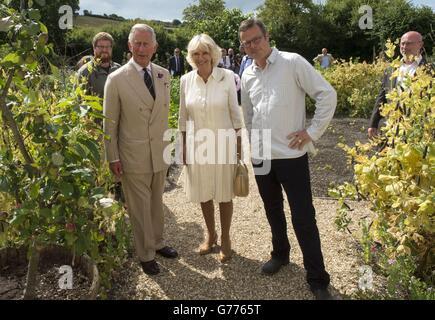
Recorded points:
(142, 27)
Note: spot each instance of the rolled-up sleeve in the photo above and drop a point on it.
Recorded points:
(312, 82)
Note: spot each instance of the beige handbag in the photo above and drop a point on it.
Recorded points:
(241, 180)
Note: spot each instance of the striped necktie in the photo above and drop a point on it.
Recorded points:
(149, 83)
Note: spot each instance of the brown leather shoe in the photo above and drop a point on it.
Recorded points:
(167, 252)
(150, 267)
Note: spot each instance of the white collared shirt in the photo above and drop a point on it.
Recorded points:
(408, 69)
(274, 99)
(139, 69)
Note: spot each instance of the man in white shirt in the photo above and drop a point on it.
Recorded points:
(273, 100)
(411, 45)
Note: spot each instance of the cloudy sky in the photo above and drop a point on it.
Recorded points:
(168, 10)
(165, 10)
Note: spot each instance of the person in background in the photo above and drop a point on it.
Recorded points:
(127, 57)
(411, 46)
(176, 63)
(93, 75)
(325, 59)
(224, 62)
(98, 68)
(232, 58)
(244, 64)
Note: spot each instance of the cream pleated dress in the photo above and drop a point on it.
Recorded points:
(208, 107)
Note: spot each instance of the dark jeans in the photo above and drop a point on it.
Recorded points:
(294, 176)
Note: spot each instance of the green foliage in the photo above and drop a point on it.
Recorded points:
(302, 26)
(401, 280)
(211, 17)
(204, 10)
(49, 16)
(357, 85)
(175, 103)
(406, 17)
(348, 40)
(306, 26)
(395, 172)
(52, 178)
(80, 40)
(293, 25)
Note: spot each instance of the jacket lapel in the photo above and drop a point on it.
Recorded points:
(138, 84)
(159, 89)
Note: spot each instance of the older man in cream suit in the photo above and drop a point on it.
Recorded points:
(136, 108)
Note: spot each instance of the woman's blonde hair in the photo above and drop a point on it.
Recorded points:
(203, 42)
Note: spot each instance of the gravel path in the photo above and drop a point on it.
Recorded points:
(192, 276)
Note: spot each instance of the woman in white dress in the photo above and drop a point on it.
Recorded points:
(208, 112)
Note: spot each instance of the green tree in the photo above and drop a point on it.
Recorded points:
(406, 17)
(49, 15)
(176, 22)
(391, 18)
(294, 25)
(50, 151)
(347, 39)
(204, 10)
(305, 27)
(80, 39)
(222, 28)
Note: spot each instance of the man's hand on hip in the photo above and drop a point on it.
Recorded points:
(116, 168)
(298, 139)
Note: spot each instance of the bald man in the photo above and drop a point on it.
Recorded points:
(325, 59)
(411, 45)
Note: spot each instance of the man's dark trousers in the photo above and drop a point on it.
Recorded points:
(294, 176)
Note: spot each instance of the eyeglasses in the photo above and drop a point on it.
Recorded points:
(255, 41)
(104, 47)
(408, 43)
